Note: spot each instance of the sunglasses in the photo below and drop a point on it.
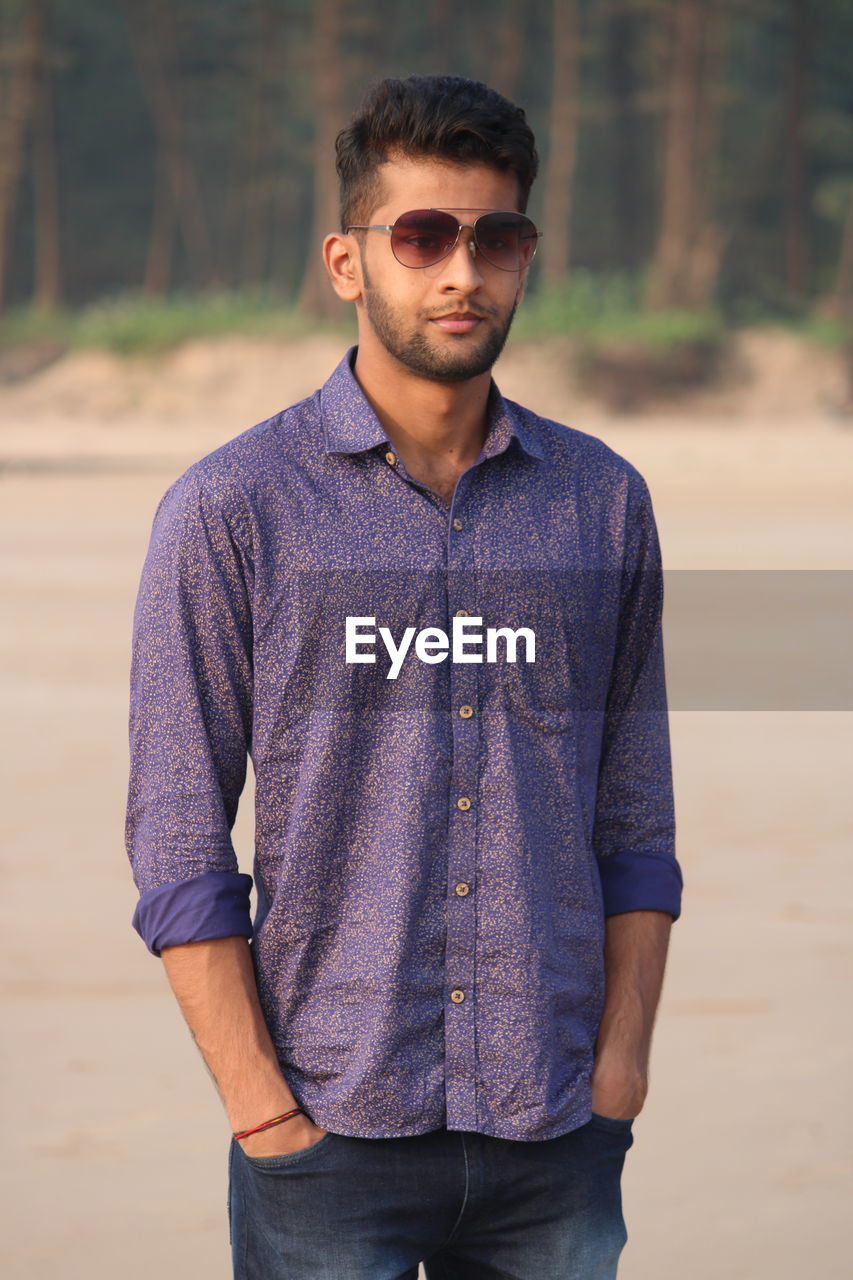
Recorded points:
(422, 237)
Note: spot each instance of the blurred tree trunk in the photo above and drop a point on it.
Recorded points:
(316, 297)
(562, 142)
(381, 26)
(152, 39)
(621, 40)
(161, 239)
(258, 177)
(690, 245)
(48, 274)
(669, 268)
(708, 239)
(15, 116)
(842, 294)
(505, 74)
(843, 291)
(797, 246)
(442, 14)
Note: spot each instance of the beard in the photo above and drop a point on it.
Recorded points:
(456, 361)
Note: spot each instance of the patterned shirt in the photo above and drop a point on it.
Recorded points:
(441, 824)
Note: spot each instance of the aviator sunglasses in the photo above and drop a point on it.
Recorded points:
(422, 237)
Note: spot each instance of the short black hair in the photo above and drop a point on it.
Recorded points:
(446, 117)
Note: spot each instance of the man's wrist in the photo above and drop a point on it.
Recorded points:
(259, 1116)
(627, 1070)
(624, 1031)
(250, 1109)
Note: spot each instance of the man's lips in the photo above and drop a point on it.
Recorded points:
(458, 322)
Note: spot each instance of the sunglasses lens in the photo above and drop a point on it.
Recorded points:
(423, 237)
(507, 240)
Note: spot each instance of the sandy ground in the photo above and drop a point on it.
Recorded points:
(115, 1141)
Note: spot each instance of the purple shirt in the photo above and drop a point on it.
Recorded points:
(436, 852)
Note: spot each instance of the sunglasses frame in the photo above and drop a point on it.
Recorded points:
(460, 226)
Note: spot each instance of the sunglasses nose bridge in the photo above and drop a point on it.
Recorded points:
(470, 241)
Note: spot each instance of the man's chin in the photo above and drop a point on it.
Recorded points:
(453, 357)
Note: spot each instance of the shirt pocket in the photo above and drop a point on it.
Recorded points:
(539, 692)
(572, 616)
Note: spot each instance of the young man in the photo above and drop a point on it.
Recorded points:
(433, 620)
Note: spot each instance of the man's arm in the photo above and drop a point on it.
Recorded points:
(635, 950)
(214, 983)
(190, 727)
(634, 834)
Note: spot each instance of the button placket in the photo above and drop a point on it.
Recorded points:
(460, 1064)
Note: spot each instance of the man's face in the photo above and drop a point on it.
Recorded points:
(447, 322)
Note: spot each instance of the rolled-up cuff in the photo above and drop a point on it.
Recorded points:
(212, 905)
(632, 881)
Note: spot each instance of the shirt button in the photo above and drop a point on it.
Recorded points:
(390, 458)
(463, 803)
(462, 889)
(466, 712)
(462, 613)
(457, 996)
(457, 524)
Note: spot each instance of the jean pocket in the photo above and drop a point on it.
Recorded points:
(286, 1158)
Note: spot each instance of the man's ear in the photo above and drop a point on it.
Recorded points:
(342, 261)
(522, 285)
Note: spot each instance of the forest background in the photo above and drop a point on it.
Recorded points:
(166, 170)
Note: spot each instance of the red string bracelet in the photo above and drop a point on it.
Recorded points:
(268, 1124)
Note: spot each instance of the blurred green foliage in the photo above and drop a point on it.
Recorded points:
(594, 312)
(134, 325)
(609, 309)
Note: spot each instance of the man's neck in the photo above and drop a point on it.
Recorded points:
(436, 427)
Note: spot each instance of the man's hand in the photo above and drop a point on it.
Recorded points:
(619, 1087)
(635, 950)
(281, 1139)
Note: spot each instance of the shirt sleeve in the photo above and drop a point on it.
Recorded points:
(634, 829)
(190, 720)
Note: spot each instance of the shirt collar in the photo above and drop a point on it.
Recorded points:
(351, 426)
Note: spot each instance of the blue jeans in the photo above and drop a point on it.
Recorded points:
(469, 1206)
